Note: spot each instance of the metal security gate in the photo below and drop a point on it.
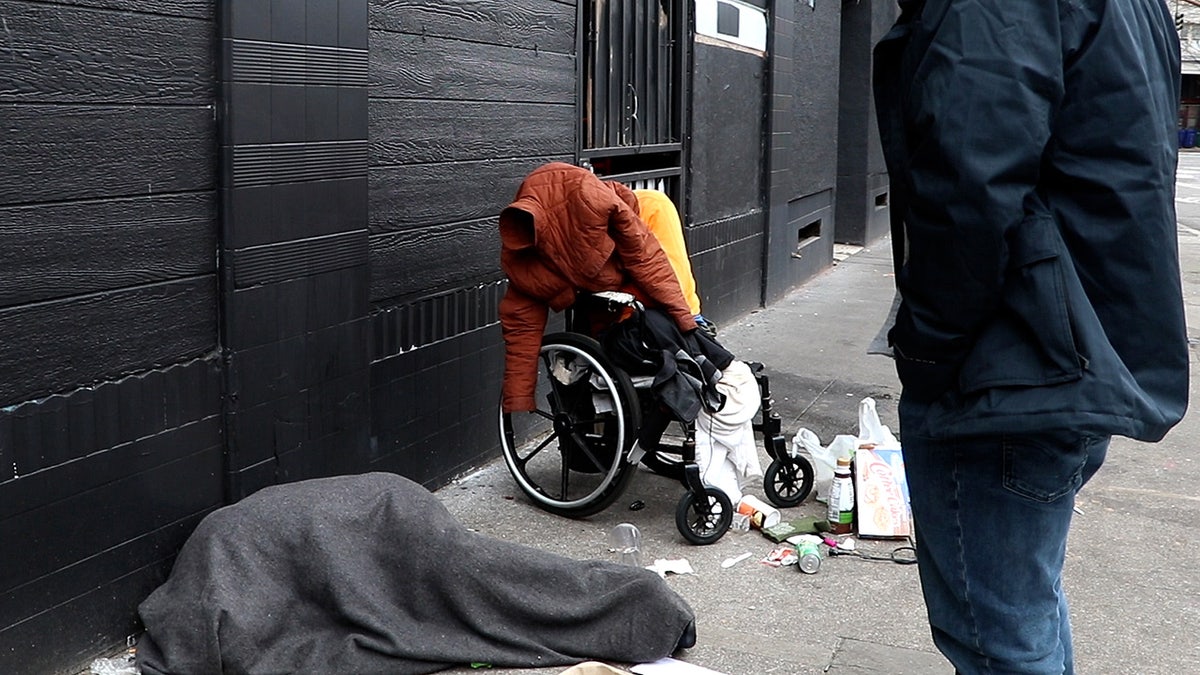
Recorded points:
(633, 76)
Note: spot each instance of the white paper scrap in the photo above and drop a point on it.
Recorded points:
(670, 666)
(663, 567)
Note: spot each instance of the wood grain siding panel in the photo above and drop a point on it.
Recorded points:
(414, 66)
(60, 345)
(79, 152)
(408, 197)
(544, 25)
(433, 259)
(58, 250)
(64, 54)
(197, 9)
(407, 131)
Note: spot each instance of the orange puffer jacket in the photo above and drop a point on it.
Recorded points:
(567, 230)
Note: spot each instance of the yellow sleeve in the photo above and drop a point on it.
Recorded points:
(661, 216)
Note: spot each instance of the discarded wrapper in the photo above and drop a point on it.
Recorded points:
(780, 556)
(679, 566)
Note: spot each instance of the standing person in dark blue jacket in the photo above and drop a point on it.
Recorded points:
(1031, 146)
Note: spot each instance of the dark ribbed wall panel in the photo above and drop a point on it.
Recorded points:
(294, 239)
(704, 237)
(727, 263)
(435, 408)
(251, 61)
(405, 327)
(110, 426)
(293, 163)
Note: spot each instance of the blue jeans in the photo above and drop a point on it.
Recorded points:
(991, 518)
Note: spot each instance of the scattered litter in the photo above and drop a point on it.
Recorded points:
(730, 562)
(781, 556)
(800, 539)
(664, 567)
(740, 523)
(807, 525)
(124, 664)
(670, 666)
(637, 505)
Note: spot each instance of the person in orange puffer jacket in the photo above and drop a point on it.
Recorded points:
(566, 231)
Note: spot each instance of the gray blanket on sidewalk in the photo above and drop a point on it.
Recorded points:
(371, 574)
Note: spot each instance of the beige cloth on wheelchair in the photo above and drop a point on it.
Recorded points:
(725, 448)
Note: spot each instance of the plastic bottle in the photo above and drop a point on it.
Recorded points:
(626, 541)
(841, 499)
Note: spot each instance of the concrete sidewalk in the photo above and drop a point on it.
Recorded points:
(1131, 570)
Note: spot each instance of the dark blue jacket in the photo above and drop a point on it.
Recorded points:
(1031, 146)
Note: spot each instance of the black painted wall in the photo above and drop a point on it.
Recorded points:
(466, 97)
(802, 158)
(110, 427)
(862, 181)
(725, 234)
(294, 239)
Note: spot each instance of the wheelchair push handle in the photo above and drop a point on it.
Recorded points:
(612, 301)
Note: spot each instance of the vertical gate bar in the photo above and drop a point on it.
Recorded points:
(585, 94)
(654, 57)
(600, 71)
(638, 74)
(671, 70)
(629, 49)
(615, 75)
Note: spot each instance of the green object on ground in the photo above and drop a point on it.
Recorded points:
(785, 529)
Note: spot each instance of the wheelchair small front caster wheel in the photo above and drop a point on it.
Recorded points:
(704, 518)
(788, 481)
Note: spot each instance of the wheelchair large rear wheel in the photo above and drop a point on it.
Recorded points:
(570, 456)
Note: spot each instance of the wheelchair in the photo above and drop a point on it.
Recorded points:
(576, 454)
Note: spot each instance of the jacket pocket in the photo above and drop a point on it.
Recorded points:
(1030, 342)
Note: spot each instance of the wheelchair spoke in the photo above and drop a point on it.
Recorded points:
(541, 446)
(582, 444)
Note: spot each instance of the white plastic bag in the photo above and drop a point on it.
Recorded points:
(871, 431)
(824, 458)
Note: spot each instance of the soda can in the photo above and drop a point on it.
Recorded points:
(809, 557)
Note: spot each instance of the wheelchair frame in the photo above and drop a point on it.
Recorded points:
(600, 431)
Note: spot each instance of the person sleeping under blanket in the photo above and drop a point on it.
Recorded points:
(371, 574)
